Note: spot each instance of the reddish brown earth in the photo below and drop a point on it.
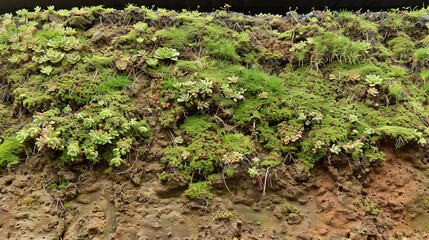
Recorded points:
(334, 203)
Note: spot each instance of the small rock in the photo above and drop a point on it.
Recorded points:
(293, 219)
(22, 216)
(323, 231)
(83, 200)
(66, 175)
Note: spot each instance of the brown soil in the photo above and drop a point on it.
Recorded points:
(389, 202)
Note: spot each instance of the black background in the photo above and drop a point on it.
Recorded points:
(245, 6)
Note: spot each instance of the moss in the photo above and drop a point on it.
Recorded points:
(402, 48)
(196, 125)
(199, 191)
(10, 150)
(177, 37)
(113, 83)
(397, 131)
(289, 208)
(99, 61)
(238, 143)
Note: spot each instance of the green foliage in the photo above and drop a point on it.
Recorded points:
(197, 125)
(177, 37)
(397, 131)
(10, 150)
(112, 84)
(200, 191)
(223, 215)
(373, 80)
(289, 208)
(402, 48)
(244, 98)
(370, 207)
(166, 53)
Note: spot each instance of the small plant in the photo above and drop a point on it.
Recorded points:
(373, 80)
(199, 191)
(396, 91)
(165, 53)
(370, 207)
(46, 70)
(227, 215)
(54, 56)
(289, 208)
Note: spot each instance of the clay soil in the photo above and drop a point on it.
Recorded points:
(389, 202)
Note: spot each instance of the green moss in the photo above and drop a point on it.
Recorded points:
(199, 191)
(177, 37)
(397, 131)
(196, 125)
(113, 83)
(402, 48)
(10, 150)
(99, 61)
(238, 143)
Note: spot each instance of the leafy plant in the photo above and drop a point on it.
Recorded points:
(373, 80)
(166, 53)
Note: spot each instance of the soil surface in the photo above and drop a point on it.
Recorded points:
(389, 202)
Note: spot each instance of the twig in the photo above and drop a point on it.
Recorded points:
(226, 185)
(132, 166)
(294, 18)
(265, 181)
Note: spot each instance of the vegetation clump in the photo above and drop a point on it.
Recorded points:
(237, 98)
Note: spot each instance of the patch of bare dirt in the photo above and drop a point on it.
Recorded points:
(334, 202)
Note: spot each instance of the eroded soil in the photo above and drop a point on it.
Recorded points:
(389, 202)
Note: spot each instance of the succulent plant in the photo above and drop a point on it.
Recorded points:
(56, 42)
(46, 70)
(167, 53)
(373, 80)
(152, 62)
(91, 154)
(100, 137)
(73, 149)
(54, 56)
(73, 58)
(68, 43)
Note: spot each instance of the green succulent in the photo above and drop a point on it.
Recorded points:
(33, 131)
(73, 58)
(373, 80)
(14, 59)
(105, 113)
(116, 161)
(166, 53)
(68, 43)
(124, 146)
(22, 136)
(88, 122)
(91, 154)
(46, 70)
(73, 150)
(121, 64)
(152, 62)
(54, 56)
(70, 31)
(100, 137)
(56, 42)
